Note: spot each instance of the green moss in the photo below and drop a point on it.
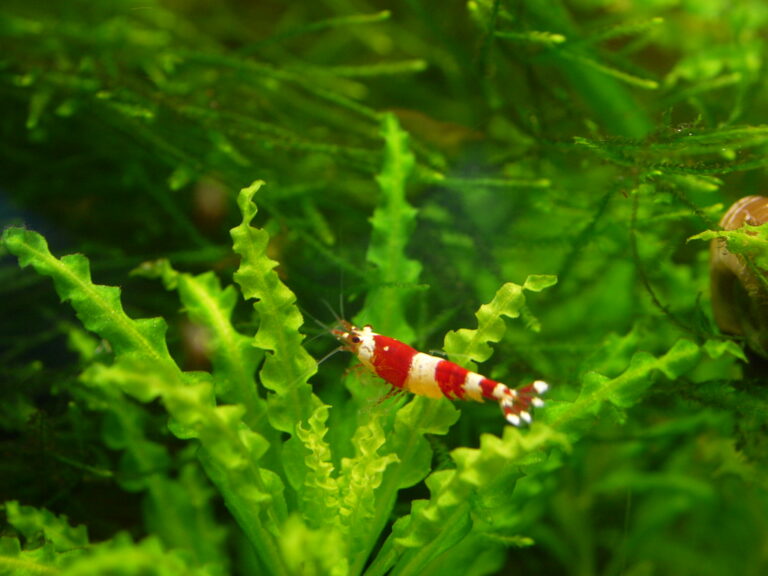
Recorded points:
(541, 165)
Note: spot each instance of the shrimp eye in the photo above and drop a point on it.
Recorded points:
(355, 339)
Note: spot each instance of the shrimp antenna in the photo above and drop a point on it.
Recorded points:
(316, 336)
(326, 332)
(331, 353)
(333, 312)
(322, 325)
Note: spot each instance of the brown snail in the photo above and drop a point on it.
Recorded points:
(739, 289)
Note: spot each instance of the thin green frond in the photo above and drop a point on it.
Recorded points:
(468, 347)
(391, 225)
(97, 307)
(624, 390)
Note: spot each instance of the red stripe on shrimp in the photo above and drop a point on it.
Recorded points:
(487, 387)
(451, 379)
(392, 359)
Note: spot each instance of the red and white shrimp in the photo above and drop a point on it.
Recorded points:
(408, 369)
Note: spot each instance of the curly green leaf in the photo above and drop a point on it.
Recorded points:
(287, 366)
(465, 345)
(392, 223)
(98, 307)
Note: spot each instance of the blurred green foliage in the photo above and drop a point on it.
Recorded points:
(420, 162)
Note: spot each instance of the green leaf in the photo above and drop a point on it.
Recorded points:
(123, 557)
(320, 496)
(144, 370)
(313, 551)
(539, 282)
(464, 346)
(718, 348)
(690, 151)
(36, 524)
(49, 542)
(532, 36)
(190, 401)
(97, 307)
(391, 226)
(624, 390)
(579, 58)
(441, 522)
(750, 241)
(360, 479)
(287, 366)
(181, 511)
(233, 356)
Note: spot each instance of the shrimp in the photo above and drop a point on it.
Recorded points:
(407, 369)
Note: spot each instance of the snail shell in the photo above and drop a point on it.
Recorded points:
(739, 297)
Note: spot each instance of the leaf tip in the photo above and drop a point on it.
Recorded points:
(245, 200)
